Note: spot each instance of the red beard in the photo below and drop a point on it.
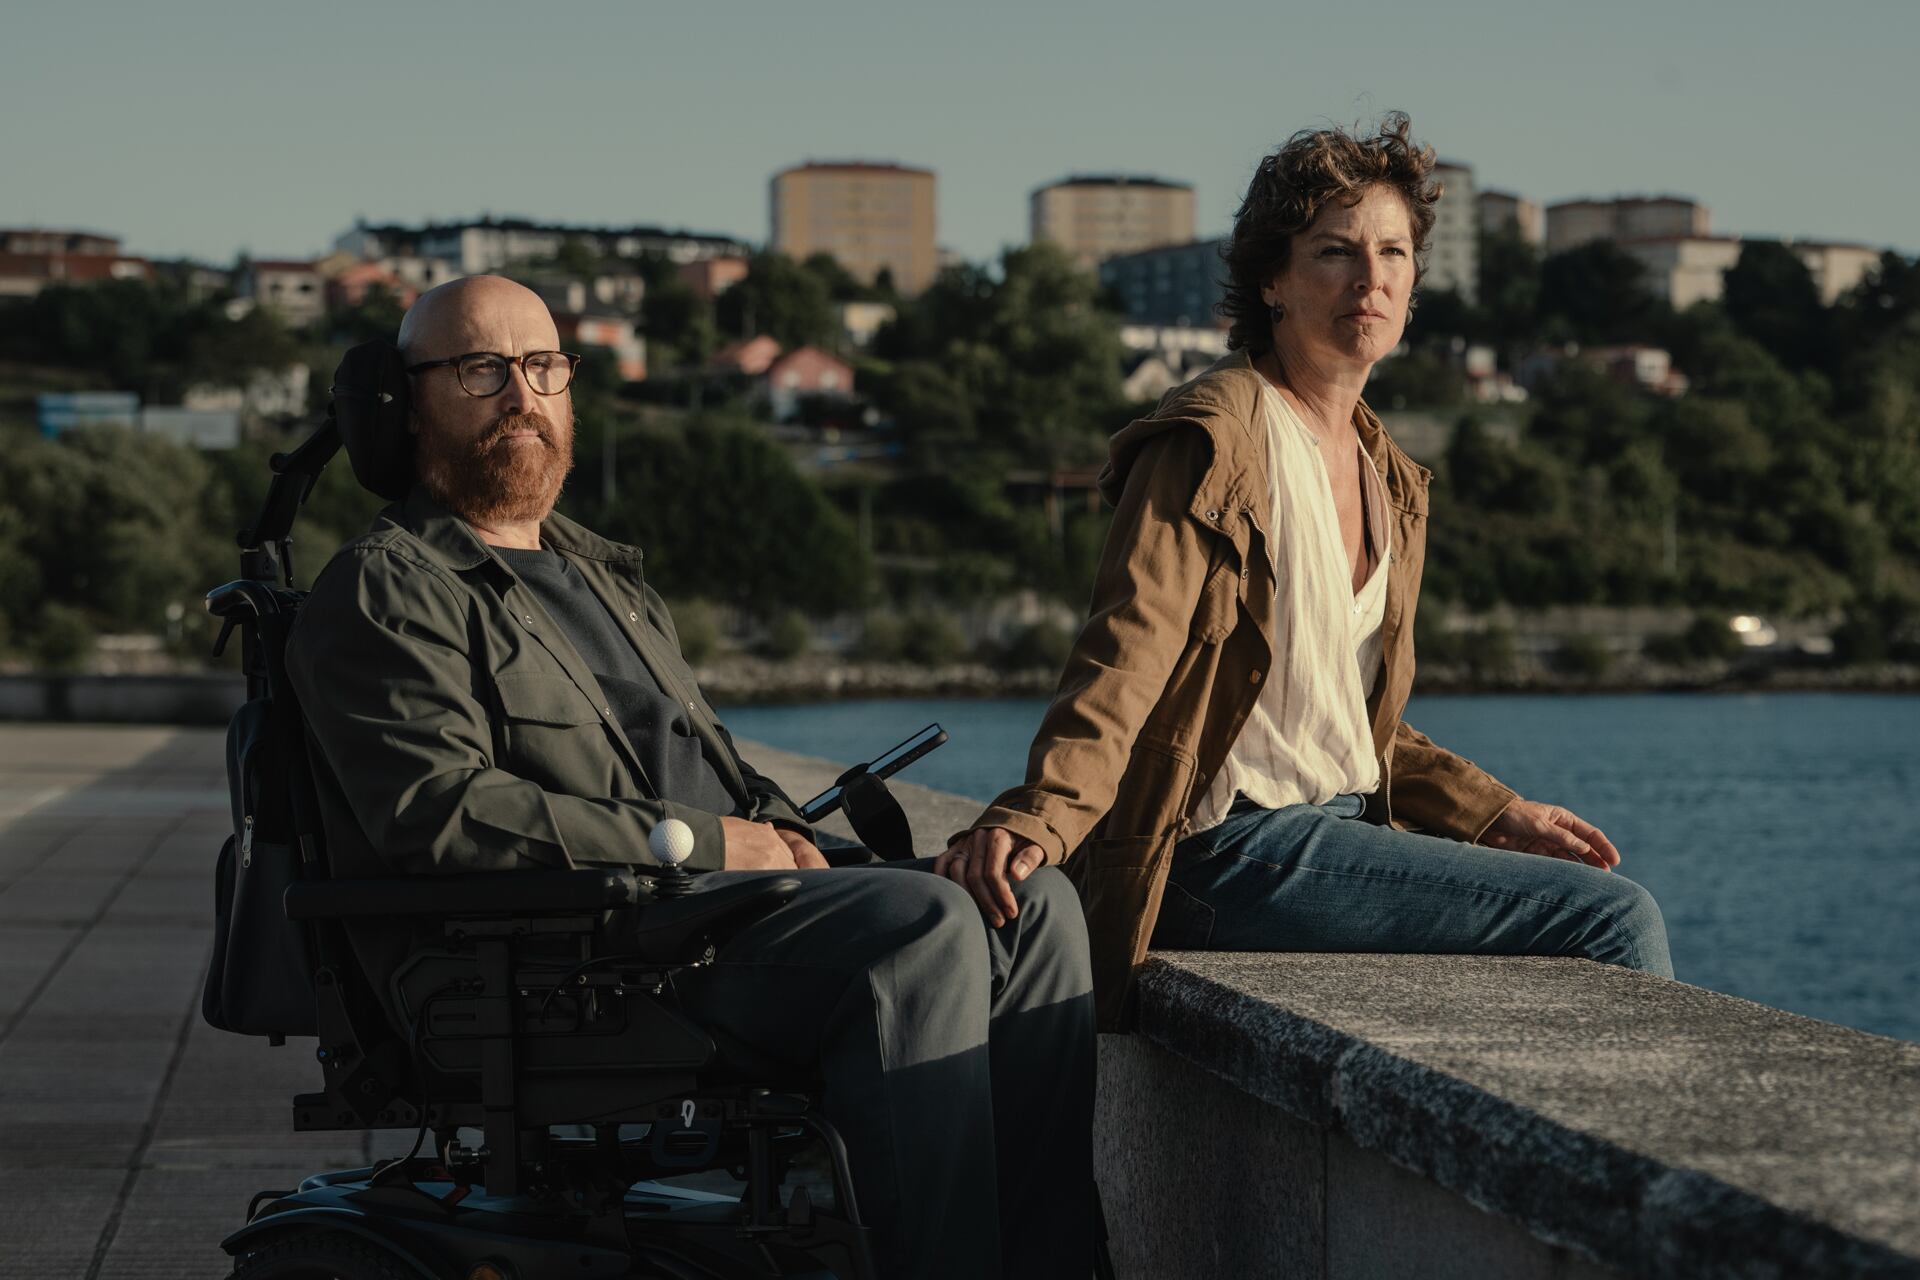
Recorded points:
(493, 480)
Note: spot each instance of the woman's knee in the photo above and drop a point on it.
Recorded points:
(1636, 932)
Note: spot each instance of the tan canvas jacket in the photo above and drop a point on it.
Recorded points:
(1169, 664)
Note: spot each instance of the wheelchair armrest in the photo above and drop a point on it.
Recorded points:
(676, 930)
(481, 893)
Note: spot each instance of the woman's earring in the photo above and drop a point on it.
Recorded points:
(1277, 310)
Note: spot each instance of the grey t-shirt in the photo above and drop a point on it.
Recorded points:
(673, 755)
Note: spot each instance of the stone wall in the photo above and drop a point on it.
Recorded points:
(1336, 1116)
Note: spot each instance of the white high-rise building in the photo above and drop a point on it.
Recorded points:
(1453, 249)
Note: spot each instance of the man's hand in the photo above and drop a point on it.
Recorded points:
(1528, 826)
(982, 861)
(806, 855)
(757, 846)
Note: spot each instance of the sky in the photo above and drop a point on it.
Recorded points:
(202, 129)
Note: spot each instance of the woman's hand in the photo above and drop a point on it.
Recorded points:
(982, 861)
(1528, 826)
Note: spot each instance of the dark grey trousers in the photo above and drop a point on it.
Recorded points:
(958, 1059)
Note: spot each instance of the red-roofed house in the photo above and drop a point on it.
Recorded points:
(615, 333)
(350, 286)
(22, 275)
(46, 240)
(750, 356)
(291, 290)
(802, 372)
(711, 277)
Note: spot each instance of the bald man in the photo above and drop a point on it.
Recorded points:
(491, 686)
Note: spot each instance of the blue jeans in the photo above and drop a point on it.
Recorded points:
(1317, 878)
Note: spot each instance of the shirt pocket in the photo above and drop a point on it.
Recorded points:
(552, 735)
(1218, 608)
(534, 697)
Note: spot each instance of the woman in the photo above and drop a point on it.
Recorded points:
(1225, 750)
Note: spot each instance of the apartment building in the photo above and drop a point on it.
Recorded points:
(872, 218)
(1095, 216)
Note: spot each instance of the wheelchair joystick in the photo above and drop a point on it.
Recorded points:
(672, 844)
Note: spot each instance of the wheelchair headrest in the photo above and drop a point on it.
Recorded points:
(371, 407)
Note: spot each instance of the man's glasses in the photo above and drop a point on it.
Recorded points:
(485, 373)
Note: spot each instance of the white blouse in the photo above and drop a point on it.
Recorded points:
(1307, 738)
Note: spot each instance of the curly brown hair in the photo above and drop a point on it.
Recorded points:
(1289, 189)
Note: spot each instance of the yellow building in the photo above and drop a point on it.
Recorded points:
(1096, 217)
(1836, 268)
(870, 217)
(1684, 270)
(1572, 223)
(1501, 210)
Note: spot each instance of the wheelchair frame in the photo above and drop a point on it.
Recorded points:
(515, 1027)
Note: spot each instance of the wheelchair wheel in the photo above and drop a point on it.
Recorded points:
(320, 1255)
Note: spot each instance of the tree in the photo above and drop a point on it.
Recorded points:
(680, 499)
(677, 323)
(1583, 415)
(577, 258)
(842, 286)
(1030, 362)
(112, 523)
(1770, 296)
(783, 299)
(1713, 448)
(1443, 320)
(1597, 293)
(1509, 292)
(376, 315)
(1419, 379)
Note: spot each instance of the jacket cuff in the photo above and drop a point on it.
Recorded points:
(709, 838)
(1481, 812)
(776, 810)
(1026, 827)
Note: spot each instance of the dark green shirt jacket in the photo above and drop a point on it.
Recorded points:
(459, 729)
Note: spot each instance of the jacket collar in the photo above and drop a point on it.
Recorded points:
(454, 543)
(1225, 402)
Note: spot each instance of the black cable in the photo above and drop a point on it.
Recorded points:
(426, 1105)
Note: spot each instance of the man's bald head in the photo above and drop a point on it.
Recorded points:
(497, 460)
(475, 313)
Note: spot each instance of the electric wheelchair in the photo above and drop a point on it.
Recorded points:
(615, 1137)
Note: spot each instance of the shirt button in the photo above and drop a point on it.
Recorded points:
(1253, 677)
(1213, 515)
(528, 619)
(632, 616)
(607, 712)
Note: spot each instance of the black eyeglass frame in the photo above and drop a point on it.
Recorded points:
(453, 362)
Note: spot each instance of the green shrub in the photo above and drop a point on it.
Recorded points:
(1489, 653)
(699, 630)
(1583, 657)
(788, 635)
(63, 641)
(1707, 639)
(1042, 645)
(1433, 641)
(883, 638)
(934, 639)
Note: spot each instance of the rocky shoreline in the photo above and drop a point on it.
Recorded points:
(739, 679)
